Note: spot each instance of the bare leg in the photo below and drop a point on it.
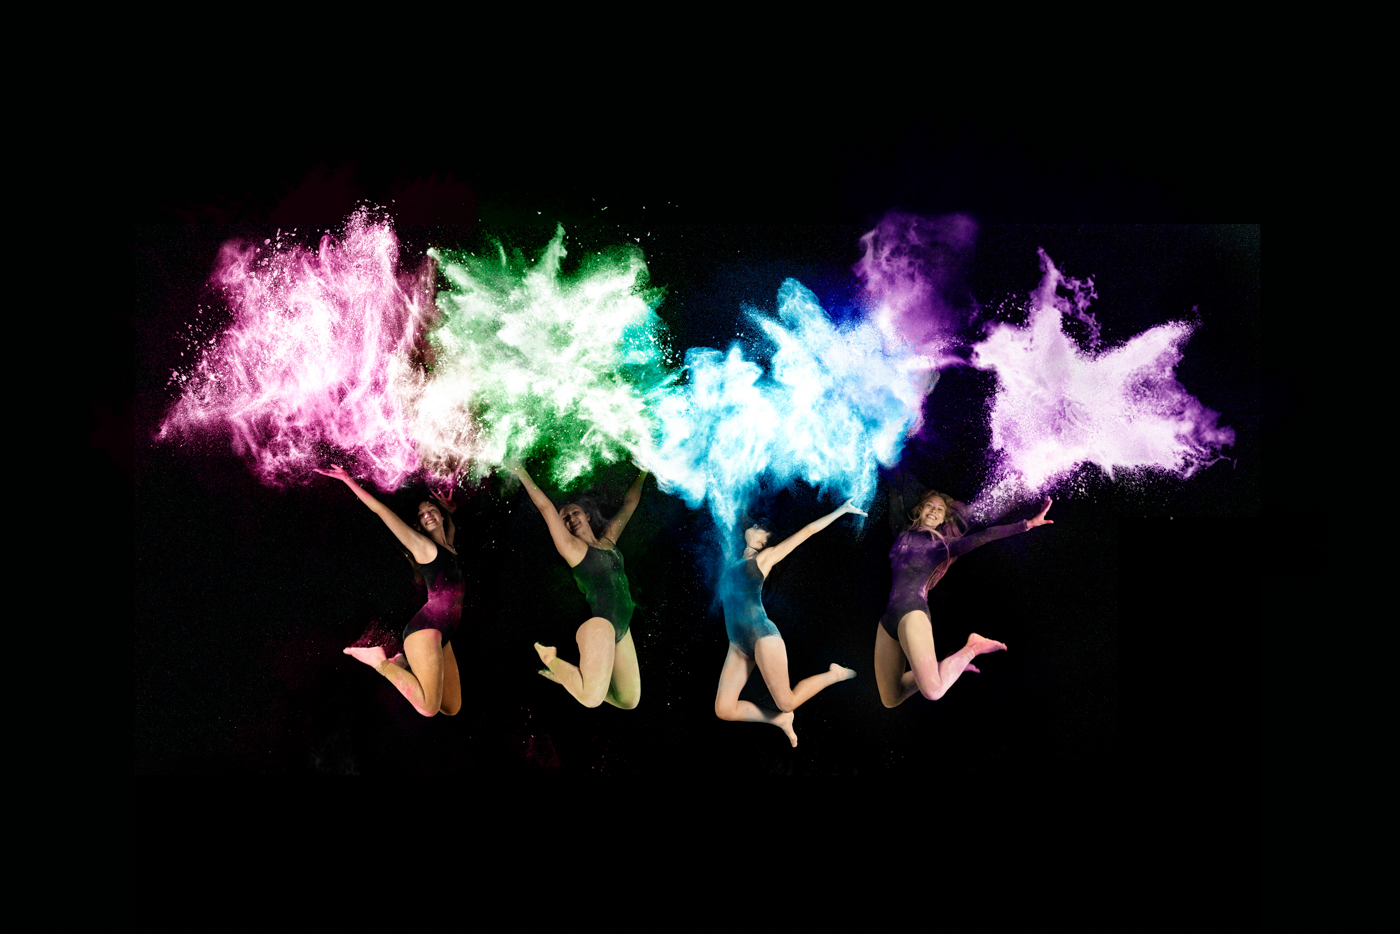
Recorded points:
(420, 677)
(625, 688)
(590, 680)
(932, 677)
(451, 683)
(735, 674)
(895, 681)
(771, 655)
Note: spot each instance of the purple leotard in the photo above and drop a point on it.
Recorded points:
(913, 558)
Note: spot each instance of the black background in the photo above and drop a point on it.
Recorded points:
(1106, 769)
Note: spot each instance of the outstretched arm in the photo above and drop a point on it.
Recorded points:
(570, 548)
(976, 540)
(629, 506)
(423, 549)
(771, 556)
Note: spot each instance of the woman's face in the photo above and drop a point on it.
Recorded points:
(575, 519)
(756, 538)
(429, 517)
(932, 513)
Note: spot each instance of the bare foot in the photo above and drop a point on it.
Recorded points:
(400, 661)
(846, 675)
(982, 645)
(784, 722)
(546, 673)
(546, 653)
(371, 655)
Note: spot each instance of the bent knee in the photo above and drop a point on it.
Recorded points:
(426, 712)
(932, 692)
(629, 703)
(447, 711)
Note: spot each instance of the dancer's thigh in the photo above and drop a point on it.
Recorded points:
(424, 652)
(916, 639)
(626, 684)
(890, 665)
(732, 678)
(451, 682)
(770, 654)
(596, 653)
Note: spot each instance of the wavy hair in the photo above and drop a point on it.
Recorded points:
(953, 527)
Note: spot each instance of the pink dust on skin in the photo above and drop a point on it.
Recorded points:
(1058, 407)
(316, 363)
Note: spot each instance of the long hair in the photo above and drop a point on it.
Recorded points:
(953, 527)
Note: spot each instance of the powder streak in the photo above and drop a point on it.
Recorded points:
(833, 404)
(1057, 407)
(315, 363)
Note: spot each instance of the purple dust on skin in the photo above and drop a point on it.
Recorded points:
(317, 358)
(1058, 408)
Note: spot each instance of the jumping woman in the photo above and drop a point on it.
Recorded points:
(905, 661)
(428, 676)
(754, 640)
(607, 668)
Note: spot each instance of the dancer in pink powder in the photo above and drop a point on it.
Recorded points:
(905, 659)
(425, 672)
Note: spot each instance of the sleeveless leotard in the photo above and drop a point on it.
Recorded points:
(741, 591)
(603, 581)
(914, 556)
(446, 588)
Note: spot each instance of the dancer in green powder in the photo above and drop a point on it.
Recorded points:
(607, 669)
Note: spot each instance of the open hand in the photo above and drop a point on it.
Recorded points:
(336, 471)
(1040, 517)
(445, 502)
(849, 506)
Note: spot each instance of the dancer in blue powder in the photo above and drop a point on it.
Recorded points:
(754, 640)
(425, 672)
(607, 669)
(936, 534)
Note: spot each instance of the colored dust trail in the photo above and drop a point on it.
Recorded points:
(1058, 408)
(315, 364)
(910, 267)
(533, 362)
(833, 404)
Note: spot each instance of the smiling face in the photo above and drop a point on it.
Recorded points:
(932, 512)
(575, 520)
(756, 538)
(429, 517)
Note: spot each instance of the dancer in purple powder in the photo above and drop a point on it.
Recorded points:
(425, 672)
(755, 641)
(905, 660)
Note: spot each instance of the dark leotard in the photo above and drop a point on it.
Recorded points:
(741, 591)
(603, 581)
(446, 587)
(914, 556)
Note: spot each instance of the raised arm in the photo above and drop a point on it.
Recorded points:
(771, 556)
(965, 544)
(423, 549)
(448, 508)
(629, 506)
(570, 548)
